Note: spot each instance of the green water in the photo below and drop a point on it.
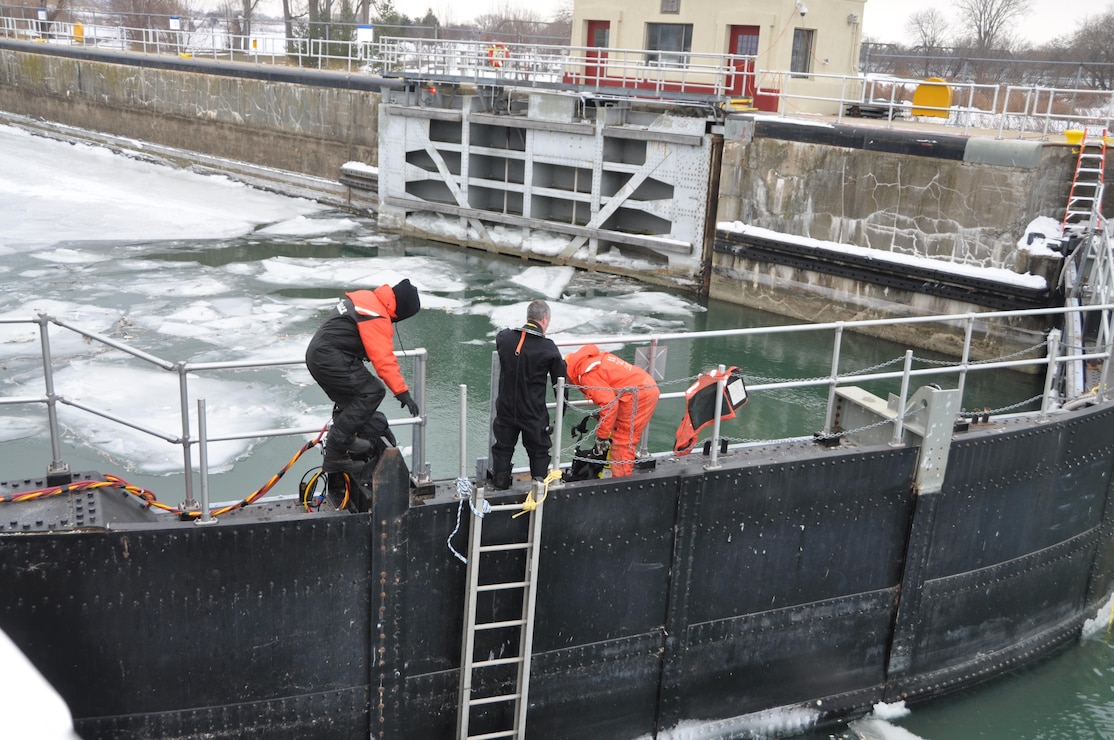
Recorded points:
(1066, 697)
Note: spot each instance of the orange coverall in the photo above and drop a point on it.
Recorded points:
(626, 396)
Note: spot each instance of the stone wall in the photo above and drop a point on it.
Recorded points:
(264, 120)
(961, 199)
(965, 200)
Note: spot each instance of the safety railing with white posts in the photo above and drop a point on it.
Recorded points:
(184, 437)
(716, 79)
(649, 73)
(1053, 356)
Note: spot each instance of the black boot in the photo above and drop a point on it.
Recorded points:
(499, 481)
(345, 454)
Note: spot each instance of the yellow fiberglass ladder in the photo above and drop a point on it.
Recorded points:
(1085, 197)
(484, 683)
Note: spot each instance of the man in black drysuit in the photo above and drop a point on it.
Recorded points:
(526, 359)
(360, 327)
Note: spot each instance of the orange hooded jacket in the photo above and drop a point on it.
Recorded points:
(602, 378)
(378, 336)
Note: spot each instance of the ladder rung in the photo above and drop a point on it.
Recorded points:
(505, 507)
(492, 699)
(508, 546)
(495, 662)
(493, 735)
(499, 625)
(509, 584)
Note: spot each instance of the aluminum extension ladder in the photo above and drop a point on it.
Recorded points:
(471, 670)
(1085, 196)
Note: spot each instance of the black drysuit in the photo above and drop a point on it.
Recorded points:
(526, 359)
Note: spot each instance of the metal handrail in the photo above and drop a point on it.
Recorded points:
(1053, 362)
(713, 77)
(51, 399)
(1057, 356)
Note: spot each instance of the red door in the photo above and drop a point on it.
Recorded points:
(743, 42)
(599, 33)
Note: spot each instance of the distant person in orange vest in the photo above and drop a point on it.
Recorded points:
(626, 396)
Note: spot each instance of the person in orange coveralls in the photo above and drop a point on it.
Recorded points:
(360, 327)
(626, 396)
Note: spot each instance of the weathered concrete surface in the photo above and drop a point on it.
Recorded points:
(968, 203)
(311, 130)
(958, 211)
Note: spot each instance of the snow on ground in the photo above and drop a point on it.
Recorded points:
(77, 192)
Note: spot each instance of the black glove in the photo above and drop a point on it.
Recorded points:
(408, 403)
(579, 430)
(601, 447)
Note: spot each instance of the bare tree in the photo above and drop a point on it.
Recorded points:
(1090, 46)
(927, 29)
(238, 14)
(986, 21)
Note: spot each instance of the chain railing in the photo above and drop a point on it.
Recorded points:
(1050, 357)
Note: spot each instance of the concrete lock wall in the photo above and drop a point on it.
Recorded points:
(965, 200)
(970, 210)
(307, 129)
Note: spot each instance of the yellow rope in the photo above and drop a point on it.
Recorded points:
(530, 504)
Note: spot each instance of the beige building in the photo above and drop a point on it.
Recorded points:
(777, 47)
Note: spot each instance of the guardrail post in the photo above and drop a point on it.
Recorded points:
(203, 460)
(558, 426)
(464, 431)
(899, 420)
(1104, 378)
(965, 359)
(1050, 374)
(651, 363)
(57, 466)
(421, 468)
(721, 383)
(833, 381)
(189, 504)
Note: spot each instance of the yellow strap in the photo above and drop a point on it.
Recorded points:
(530, 504)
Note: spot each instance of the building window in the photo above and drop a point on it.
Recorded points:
(746, 42)
(670, 6)
(671, 41)
(801, 62)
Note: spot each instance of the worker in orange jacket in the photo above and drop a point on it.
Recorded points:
(359, 328)
(626, 396)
